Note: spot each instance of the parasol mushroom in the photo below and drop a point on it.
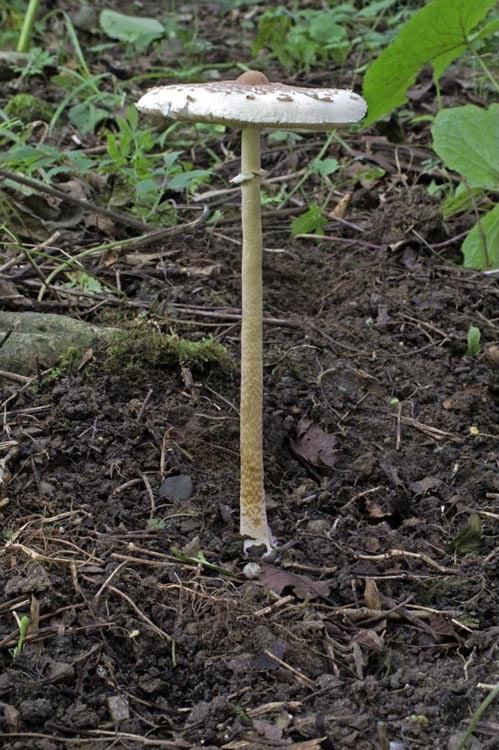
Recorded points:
(252, 103)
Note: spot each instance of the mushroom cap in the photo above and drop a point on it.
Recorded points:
(252, 101)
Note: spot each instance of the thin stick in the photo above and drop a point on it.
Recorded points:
(299, 675)
(16, 377)
(142, 616)
(125, 219)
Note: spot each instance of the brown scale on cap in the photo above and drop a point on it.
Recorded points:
(253, 78)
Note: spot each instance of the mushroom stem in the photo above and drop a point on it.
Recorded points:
(253, 515)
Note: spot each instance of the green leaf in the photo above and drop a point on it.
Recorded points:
(310, 222)
(375, 9)
(84, 281)
(469, 537)
(325, 166)
(129, 28)
(188, 180)
(20, 153)
(473, 340)
(476, 253)
(85, 116)
(461, 201)
(467, 139)
(435, 34)
(490, 28)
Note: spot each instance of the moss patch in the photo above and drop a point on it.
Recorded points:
(27, 108)
(138, 351)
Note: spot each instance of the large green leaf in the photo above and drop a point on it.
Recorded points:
(467, 139)
(129, 28)
(481, 246)
(436, 34)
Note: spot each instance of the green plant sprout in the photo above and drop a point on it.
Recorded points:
(23, 625)
(473, 341)
(200, 559)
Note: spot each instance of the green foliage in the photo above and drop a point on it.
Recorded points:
(459, 201)
(467, 139)
(312, 221)
(305, 38)
(139, 170)
(136, 30)
(43, 159)
(481, 246)
(473, 339)
(132, 154)
(11, 20)
(489, 698)
(325, 167)
(437, 34)
(87, 282)
(39, 60)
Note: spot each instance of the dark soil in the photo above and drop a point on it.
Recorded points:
(375, 625)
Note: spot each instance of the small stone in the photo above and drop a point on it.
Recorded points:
(118, 708)
(251, 570)
(46, 488)
(318, 526)
(59, 671)
(492, 355)
(84, 18)
(177, 487)
(152, 685)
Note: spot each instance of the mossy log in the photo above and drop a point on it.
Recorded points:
(38, 340)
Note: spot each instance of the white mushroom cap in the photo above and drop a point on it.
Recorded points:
(252, 101)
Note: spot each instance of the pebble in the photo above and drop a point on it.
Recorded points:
(252, 570)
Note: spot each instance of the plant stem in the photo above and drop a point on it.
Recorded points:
(484, 67)
(308, 171)
(24, 41)
(476, 716)
(253, 522)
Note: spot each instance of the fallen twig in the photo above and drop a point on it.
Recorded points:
(125, 219)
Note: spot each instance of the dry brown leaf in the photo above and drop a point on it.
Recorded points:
(369, 639)
(313, 445)
(267, 729)
(340, 209)
(372, 597)
(375, 510)
(304, 587)
(424, 485)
